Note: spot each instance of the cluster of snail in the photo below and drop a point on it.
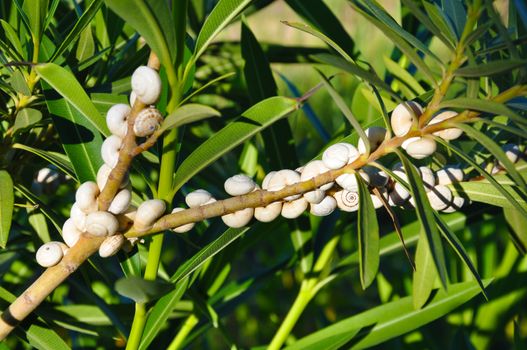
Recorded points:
(322, 201)
(85, 217)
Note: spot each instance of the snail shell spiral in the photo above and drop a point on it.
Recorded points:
(147, 121)
(347, 200)
(146, 84)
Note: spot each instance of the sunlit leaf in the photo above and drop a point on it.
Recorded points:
(7, 200)
(140, 290)
(187, 114)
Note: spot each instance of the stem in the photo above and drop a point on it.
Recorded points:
(189, 324)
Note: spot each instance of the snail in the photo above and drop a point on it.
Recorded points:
(86, 196)
(50, 254)
(116, 119)
(78, 217)
(147, 213)
(404, 116)
(126, 219)
(399, 194)
(199, 197)
(104, 172)
(182, 228)
(110, 150)
(421, 148)
(339, 154)
(456, 204)
(283, 178)
(312, 169)
(239, 218)
(147, 122)
(325, 207)
(512, 152)
(446, 134)
(377, 202)
(266, 179)
(70, 232)
(440, 197)
(347, 200)
(293, 209)
(348, 181)
(238, 185)
(111, 245)
(376, 177)
(428, 177)
(376, 135)
(269, 212)
(101, 223)
(120, 202)
(449, 174)
(146, 84)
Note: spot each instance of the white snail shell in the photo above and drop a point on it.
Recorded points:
(120, 202)
(147, 122)
(49, 254)
(377, 202)
(239, 218)
(428, 177)
(110, 150)
(182, 228)
(111, 245)
(283, 178)
(86, 197)
(198, 197)
(403, 116)
(457, 203)
(377, 177)
(440, 197)
(447, 134)
(376, 135)
(238, 185)
(148, 212)
(104, 172)
(325, 207)
(512, 152)
(311, 170)
(133, 98)
(347, 200)
(101, 223)
(399, 195)
(266, 179)
(408, 141)
(146, 84)
(339, 154)
(268, 213)
(449, 174)
(293, 209)
(349, 181)
(116, 119)
(78, 217)
(421, 148)
(126, 219)
(70, 232)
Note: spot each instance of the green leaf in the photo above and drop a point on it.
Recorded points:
(501, 189)
(55, 219)
(42, 337)
(485, 192)
(81, 26)
(86, 45)
(305, 28)
(36, 12)
(188, 113)
(425, 272)
(153, 21)
(37, 220)
(355, 70)
(491, 68)
(368, 235)
(222, 14)
(426, 216)
(517, 223)
(496, 151)
(207, 253)
(159, 314)
(253, 120)
(387, 321)
(456, 245)
(65, 83)
(81, 143)
(26, 118)
(141, 290)
(60, 160)
(343, 106)
(19, 84)
(403, 76)
(12, 36)
(7, 201)
(483, 106)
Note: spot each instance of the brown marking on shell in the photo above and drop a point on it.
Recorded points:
(147, 122)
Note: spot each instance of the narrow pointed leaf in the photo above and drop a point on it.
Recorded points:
(485, 192)
(517, 223)
(490, 68)
(7, 201)
(496, 151)
(387, 321)
(141, 290)
(188, 113)
(60, 160)
(26, 117)
(426, 217)
(252, 121)
(368, 235)
(222, 14)
(425, 272)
